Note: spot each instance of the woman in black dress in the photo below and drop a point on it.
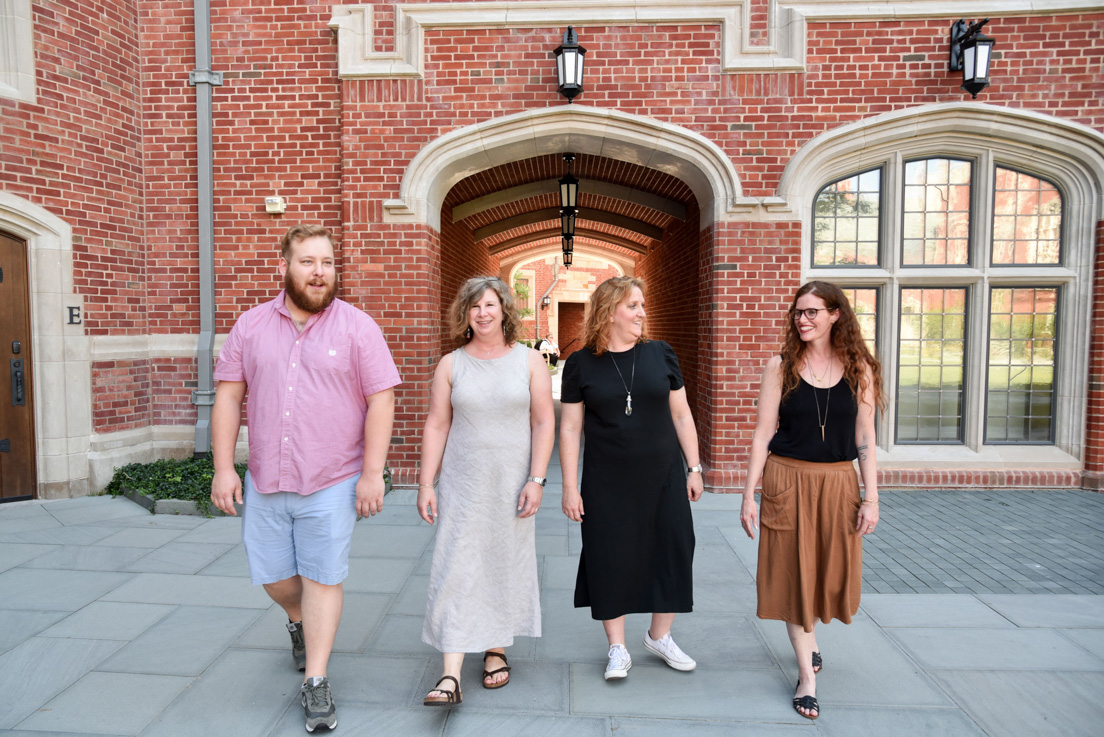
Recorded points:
(626, 394)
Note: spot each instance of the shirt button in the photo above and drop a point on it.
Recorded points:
(287, 413)
(293, 365)
(285, 439)
(289, 388)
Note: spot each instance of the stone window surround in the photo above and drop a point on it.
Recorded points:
(17, 66)
(1068, 154)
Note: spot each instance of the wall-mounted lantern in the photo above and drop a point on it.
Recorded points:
(971, 52)
(569, 65)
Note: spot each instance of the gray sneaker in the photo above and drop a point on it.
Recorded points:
(298, 645)
(318, 705)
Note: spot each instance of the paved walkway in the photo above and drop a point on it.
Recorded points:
(113, 621)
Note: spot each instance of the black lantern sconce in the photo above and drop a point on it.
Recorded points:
(569, 65)
(971, 52)
(567, 222)
(568, 251)
(569, 186)
(546, 303)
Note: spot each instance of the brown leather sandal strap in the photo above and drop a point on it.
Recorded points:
(450, 695)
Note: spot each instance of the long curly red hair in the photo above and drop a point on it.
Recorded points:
(847, 343)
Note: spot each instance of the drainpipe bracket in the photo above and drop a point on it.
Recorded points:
(203, 398)
(204, 76)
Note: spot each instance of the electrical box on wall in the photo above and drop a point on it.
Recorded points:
(275, 205)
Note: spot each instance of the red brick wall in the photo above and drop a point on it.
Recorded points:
(122, 392)
(1094, 432)
(570, 326)
(110, 147)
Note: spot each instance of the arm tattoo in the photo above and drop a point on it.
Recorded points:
(862, 452)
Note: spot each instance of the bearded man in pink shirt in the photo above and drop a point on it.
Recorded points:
(320, 380)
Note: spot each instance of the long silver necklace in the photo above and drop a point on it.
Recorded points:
(632, 380)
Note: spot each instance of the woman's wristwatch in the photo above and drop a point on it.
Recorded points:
(538, 480)
(695, 469)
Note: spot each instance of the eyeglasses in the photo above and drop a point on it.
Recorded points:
(810, 313)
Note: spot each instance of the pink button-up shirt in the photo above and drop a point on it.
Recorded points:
(307, 391)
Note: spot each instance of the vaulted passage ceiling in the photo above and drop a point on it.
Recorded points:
(621, 205)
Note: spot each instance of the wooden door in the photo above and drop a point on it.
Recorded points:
(17, 448)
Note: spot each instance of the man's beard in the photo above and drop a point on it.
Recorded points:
(302, 299)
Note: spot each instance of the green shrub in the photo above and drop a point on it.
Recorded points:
(186, 478)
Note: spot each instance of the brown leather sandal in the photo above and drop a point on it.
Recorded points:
(450, 698)
(488, 673)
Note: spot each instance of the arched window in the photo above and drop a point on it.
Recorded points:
(964, 240)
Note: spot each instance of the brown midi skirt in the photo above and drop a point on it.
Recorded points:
(810, 554)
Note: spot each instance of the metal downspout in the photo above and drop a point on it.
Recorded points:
(203, 79)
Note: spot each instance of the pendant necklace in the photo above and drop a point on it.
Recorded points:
(632, 380)
(827, 399)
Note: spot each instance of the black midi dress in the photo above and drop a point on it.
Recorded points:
(638, 532)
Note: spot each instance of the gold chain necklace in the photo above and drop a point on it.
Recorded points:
(827, 399)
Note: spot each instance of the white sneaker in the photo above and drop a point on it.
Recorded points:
(619, 662)
(666, 648)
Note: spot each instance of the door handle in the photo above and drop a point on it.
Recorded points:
(18, 393)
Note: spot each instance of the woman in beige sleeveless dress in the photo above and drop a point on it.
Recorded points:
(490, 431)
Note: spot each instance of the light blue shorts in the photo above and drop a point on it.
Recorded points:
(287, 534)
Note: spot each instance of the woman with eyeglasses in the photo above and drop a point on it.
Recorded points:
(817, 401)
(490, 431)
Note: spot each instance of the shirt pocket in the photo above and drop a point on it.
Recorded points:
(331, 357)
(778, 510)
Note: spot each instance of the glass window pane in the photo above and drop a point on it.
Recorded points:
(936, 212)
(864, 303)
(932, 351)
(1027, 213)
(1021, 392)
(846, 221)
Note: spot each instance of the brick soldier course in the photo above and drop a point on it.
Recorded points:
(735, 110)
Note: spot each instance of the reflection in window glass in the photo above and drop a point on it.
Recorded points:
(1022, 342)
(864, 303)
(937, 212)
(1027, 219)
(932, 345)
(845, 224)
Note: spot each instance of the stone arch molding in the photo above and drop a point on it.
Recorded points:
(61, 360)
(650, 143)
(1071, 152)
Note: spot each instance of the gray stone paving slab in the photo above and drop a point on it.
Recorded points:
(19, 626)
(15, 554)
(1036, 704)
(184, 643)
(714, 640)
(400, 634)
(534, 687)
(712, 501)
(552, 545)
(16, 510)
(862, 666)
(735, 599)
(74, 535)
(569, 634)
(26, 523)
(629, 727)
(390, 541)
(412, 599)
(96, 509)
(378, 575)
(23, 588)
(375, 720)
(469, 724)
(995, 649)
(704, 693)
(36, 733)
(134, 700)
(862, 721)
(394, 514)
(218, 530)
(360, 617)
(1091, 640)
(233, 562)
(140, 537)
(560, 572)
(158, 521)
(105, 620)
(171, 588)
(42, 667)
(243, 694)
(1064, 610)
(375, 679)
(177, 557)
(746, 549)
(87, 558)
(931, 610)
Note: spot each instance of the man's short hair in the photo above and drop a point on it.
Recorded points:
(299, 233)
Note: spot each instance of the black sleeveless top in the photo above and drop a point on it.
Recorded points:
(798, 433)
